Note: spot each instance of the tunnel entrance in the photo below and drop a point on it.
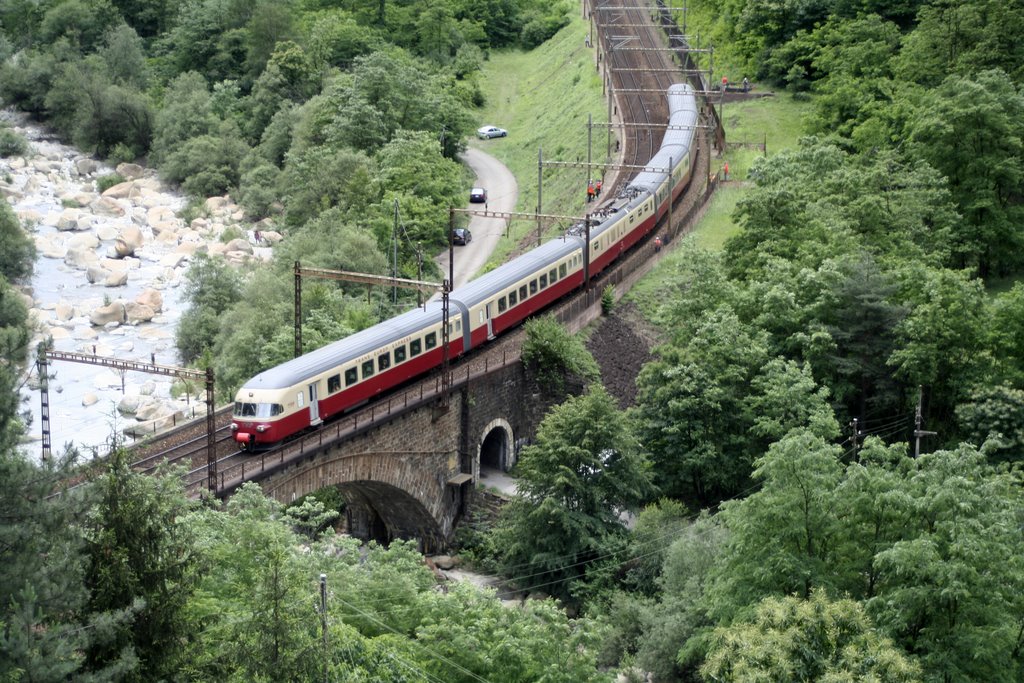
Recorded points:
(494, 450)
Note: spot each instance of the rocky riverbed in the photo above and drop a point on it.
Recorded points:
(107, 281)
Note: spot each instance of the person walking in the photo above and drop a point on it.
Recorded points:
(590, 191)
(657, 244)
(597, 189)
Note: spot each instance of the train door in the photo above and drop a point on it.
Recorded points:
(490, 322)
(314, 405)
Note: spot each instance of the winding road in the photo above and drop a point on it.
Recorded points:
(502, 194)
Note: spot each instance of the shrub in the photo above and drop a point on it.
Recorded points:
(607, 300)
(553, 354)
(105, 182)
(12, 144)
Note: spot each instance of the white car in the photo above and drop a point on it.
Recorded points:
(488, 132)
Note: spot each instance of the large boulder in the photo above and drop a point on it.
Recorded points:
(107, 206)
(116, 279)
(214, 204)
(119, 191)
(130, 171)
(239, 244)
(64, 311)
(136, 313)
(112, 312)
(80, 257)
(96, 274)
(152, 298)
(86, 166)
(128, 241)
(84, 240)
(71, 220)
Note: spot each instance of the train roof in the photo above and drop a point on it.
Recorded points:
(323, 359)
(507, 274)
(682, 121)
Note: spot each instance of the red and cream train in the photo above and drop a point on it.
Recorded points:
(305, 391)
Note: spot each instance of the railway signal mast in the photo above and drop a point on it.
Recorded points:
(46, 355)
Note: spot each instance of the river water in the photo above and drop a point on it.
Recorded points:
(83, 398)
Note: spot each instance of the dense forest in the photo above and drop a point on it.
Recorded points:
(876, 269)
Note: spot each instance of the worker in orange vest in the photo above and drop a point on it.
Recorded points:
(725, 171)
(590, 191)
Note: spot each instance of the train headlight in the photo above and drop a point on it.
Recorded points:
(262, 428)
(234, 427)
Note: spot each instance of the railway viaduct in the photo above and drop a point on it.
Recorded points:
(409, 470)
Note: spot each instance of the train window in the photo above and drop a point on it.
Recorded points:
(502, 305)
(632, 218)
(596, 246)
(512, 298)
(399, 354)
(245, 409)
(430, 340)
(562, 270)
(553, 276)
(384, 361)
(415, 346)
(522, 293)
(367, 369)
(276, 409)
(351, 376)
(333, 383)
(299, 399)
(543, 281)
(533, 287)
(458, 324)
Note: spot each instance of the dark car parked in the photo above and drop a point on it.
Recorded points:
(461, 236)
(478, 195)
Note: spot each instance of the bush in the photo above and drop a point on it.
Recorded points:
(105, 182)
(554, 354)
(12, 144)
(607, 300)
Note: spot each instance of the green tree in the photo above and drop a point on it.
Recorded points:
(940, 342)
(691, 410)
(17, 250)
(584, 468)
(471, 636)
(994, 416)
(784, 537)
(254, 598)
(139, 560)
(211, 288)
(814, 639)
(951, 592)
(45, 628)
(970, 129)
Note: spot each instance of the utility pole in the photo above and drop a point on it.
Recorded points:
(918, 432)
(323, 624)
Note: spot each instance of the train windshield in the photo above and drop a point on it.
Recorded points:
(257, 409)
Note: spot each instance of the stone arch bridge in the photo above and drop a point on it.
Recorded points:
(407, 468)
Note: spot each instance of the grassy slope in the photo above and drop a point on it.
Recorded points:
(543, 98)
(777, 120)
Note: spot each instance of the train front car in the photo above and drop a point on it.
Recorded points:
(307, 390)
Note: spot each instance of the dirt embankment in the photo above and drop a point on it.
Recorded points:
(622, 344)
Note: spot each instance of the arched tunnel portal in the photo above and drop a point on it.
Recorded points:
(496, 450)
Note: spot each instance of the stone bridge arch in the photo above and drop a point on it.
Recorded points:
(395, 478)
